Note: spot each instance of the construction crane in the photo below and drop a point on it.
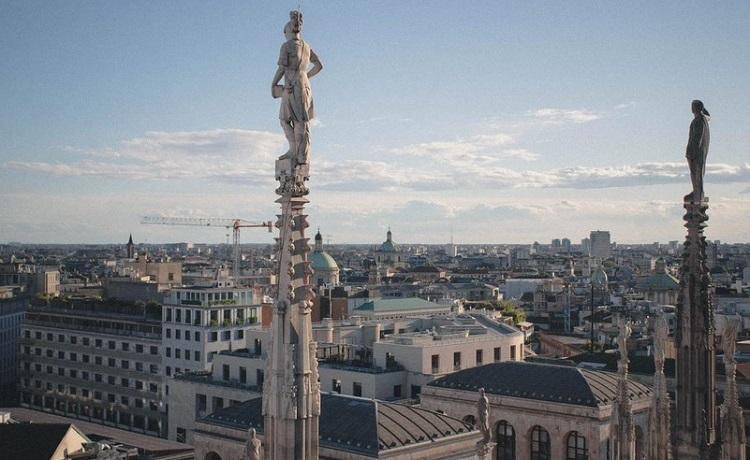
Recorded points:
(234, 224)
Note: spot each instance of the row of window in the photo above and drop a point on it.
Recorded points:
(479, 358)
(539, 443)
(98, 360)
(178, 354)
(87, 341)
(195, 317)
(76, 409)
(96, 395)
(93, 377)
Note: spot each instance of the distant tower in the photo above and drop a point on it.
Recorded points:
(130, 247)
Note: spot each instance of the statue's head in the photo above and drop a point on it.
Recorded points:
(251, 433)
(699, 108)
(294, 27)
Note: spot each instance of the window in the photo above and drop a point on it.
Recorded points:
(226, 336)
(217, 402)
(86, 341)
(169, 314)
(213, 337)
(259, 376)
(177, 353)
(154, 350)
(153, 368)
(512, 352)
(576, 447)
(153, 388)
(197, 336)
(98, 343)
(479, 357)
(416, 390)
(435, 364)
(456, 360)
(124, 400)
(177, 334)
(139, 366)
(181, 435)
(125, 346)
(168, 333)
(187, 355)
(139, 385)
(98, 378)
(243, 375)
(60, 338)
(169, 352)
(85, 358)
(125, 364)
(139, 348)
(336, 385)
(197, 355)
(187, 317)
(168, 371)
(60, 355)
(124, 382)
(73, 339)
(111, 345)
(111, 379)
(540, 445)
(225, 371)
(98, 360)
(239, 334)
(506, 441)
(357, 389)
(200, 405)
(177, 315)
(396, 391)
(496, 354)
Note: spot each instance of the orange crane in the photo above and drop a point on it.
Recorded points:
(234, 224)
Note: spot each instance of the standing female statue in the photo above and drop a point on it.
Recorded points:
(697, 149)
(296, 96)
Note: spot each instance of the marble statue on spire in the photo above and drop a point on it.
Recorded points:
(697, 148)
(484, 446)
(295, 60)
(622, 415)
(291, 390)
(732, 419)
(660, 445)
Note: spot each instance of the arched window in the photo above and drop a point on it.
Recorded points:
(213, 456)
(576, 449)
(505, 436)
(470, 420)
(540, 445)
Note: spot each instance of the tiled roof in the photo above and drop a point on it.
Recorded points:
(356, 424)
(544, 382)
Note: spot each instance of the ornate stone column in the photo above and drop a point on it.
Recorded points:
(622, 413)
(732, 419)
(659, 435)
(695, 422)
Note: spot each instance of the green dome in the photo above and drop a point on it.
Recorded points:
(322, 261)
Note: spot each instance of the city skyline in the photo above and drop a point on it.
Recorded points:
(568, 122)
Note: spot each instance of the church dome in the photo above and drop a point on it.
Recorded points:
(322, 261)
(388, 245)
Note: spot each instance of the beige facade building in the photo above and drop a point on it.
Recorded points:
(543, 411)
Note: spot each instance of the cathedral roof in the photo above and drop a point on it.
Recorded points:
(543, 382)
(364, 426)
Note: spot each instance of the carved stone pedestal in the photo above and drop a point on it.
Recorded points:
(484, 450)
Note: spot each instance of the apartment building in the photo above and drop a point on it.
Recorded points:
(200, 321)
(94, 361)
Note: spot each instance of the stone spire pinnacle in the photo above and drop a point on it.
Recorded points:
(694, 340)
(732, 419)
(622, 414)
(660, 446)
(291, 391)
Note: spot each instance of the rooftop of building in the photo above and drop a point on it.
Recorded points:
(348, 423)
(542, 382)
(399, 304)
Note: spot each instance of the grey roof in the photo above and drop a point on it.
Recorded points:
(409, 303)
(501, 328)
(353, 424)
(544, 382)
(31, 441)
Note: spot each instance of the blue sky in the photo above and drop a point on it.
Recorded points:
(506, 121)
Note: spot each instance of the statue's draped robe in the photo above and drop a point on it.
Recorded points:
(697, 148)
(295, 57)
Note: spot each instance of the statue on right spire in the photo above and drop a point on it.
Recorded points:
(697, 149)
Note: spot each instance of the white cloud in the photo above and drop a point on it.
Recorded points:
(223, 154)
(554, 116)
